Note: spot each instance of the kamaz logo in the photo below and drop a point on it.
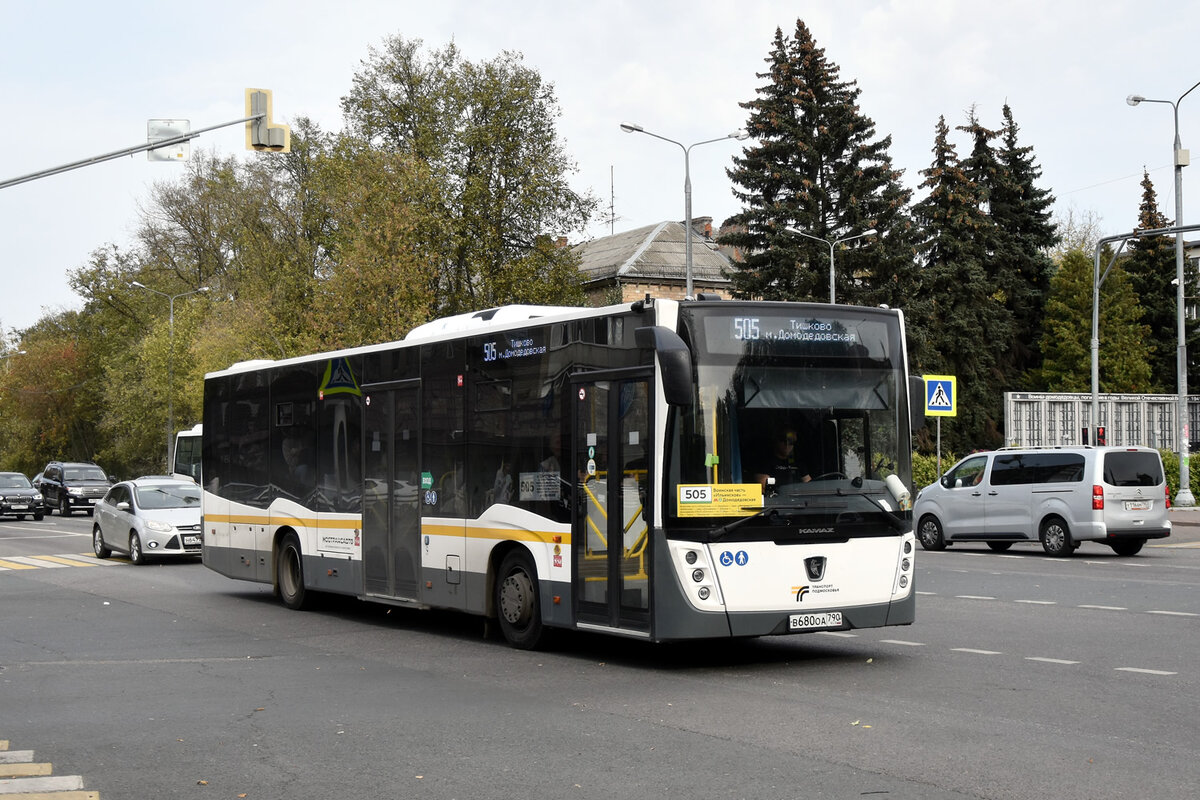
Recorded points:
(815, 567)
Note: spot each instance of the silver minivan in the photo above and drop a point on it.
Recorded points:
(1059, 496)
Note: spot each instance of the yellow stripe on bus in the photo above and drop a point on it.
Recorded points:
(431, 528)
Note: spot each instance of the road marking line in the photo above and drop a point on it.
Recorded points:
(26, 770)
(1106, 608)
(1037, 602)
(1050, 660)
(68, 561)
(902, 642)
(976, 652)
(973, 597)
(61, 783)
(839, 634)
(1175, 613)
(14, 565)
(14, 756)
(1145, 671)
(36, 562)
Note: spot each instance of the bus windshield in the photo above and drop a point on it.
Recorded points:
(800, 409)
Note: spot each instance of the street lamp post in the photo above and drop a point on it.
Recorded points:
(832, 244)
(741, 134)
(171, 298)
(1181, 158)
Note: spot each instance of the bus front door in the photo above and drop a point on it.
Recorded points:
(610, 537)
(391, 493)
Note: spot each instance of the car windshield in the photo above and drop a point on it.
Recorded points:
(14, 482)
(84, 474)
(168, 496)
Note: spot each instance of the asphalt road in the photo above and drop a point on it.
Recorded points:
(1024, 677)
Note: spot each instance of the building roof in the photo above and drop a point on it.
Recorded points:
(654, 252)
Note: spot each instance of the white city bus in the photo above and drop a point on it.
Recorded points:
(588, 469)
(187, 453)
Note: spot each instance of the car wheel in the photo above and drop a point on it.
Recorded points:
(929, 531)
(64, 507)
(289, 573)
(98, 543)
(518, 607)
(999, 547)
(1127, 547)
(38, 517)
(1056, 537)
(135, 550)
(20, 517)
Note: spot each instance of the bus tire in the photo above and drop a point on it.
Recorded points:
(289, 573)
(518, 607)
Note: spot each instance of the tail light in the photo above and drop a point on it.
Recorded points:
(1167, 492)
(1097, 497)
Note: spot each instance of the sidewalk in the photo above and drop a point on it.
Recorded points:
(1185, 524)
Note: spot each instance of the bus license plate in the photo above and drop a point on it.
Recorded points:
(1137, 505)
(825, 619)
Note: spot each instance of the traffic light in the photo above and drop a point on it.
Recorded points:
(261, 133)
(1100, 438)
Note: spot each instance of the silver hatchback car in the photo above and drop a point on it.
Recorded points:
(148, 517)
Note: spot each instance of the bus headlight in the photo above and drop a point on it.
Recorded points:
(698, 575)
(703, 593)
(903, 581)
(690, 557)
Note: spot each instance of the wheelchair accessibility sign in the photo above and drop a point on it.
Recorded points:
(940, 396)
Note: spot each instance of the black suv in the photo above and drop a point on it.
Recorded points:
(18, 498)
(67, 485)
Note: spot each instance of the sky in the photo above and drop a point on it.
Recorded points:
(78, 80)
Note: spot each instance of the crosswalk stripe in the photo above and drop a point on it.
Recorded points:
(6, 564)
(68, 561)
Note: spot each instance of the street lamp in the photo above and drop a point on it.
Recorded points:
(1184, 497)
(741, 134)
(171, 298)
(832, 244)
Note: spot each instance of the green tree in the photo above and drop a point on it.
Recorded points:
(1151, 269)
(963, 317)
(1067, 325)
(1023, 267)
(817, 165)
(487, 134)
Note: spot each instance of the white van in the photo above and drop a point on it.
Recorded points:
(1059, 496)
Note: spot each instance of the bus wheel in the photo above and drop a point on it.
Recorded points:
(517, 605)
(1127, 547)
(289, 573)
(1056, 538)
(930, 533)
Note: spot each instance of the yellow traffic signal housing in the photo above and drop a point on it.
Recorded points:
(261, 133)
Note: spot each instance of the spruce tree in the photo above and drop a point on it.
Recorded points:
(961, 316)
(1022, 212)
(1151, 268)
(818, 166)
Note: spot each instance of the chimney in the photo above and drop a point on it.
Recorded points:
(702, 226)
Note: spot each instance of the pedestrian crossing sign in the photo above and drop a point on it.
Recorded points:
(940, 396)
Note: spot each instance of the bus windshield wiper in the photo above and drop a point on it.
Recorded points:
(765, 513)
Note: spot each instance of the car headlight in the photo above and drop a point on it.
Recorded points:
(37, 498)
(75, 491)
(158, 525)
